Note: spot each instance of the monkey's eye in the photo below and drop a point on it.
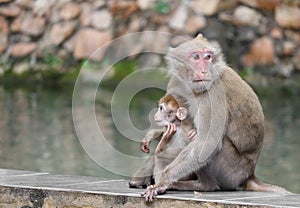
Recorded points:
(196, 56)
(160, 108)
(169, 116)
(207, 56)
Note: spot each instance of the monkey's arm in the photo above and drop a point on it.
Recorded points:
(165, 138)
(153, 134)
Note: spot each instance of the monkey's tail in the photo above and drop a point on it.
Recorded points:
(254, 184)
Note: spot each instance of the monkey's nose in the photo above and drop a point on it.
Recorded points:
(204, 72)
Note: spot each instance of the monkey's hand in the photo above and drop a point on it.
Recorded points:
(145, 146)
(171, 129)
(152, 191)
(192, 134)
(150, 135)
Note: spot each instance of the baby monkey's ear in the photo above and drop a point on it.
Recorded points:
(181, 113)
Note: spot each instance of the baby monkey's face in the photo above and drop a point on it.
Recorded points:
(165, 114)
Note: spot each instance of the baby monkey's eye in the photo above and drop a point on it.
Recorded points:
(160, 108)
(196, 56)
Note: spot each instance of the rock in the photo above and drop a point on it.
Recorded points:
(288, 16)
(157, 42)
(294, 3)
(246, 34)
(69, 44)
(296, 60)
(70, 11)
(22, 67)
(25, 3)
(86, 14)
(22, 49)
(160, 19)
(5, 1)
(62, 54)
(98, 4)
(251, 3)
(16, 25)
(33, 26)
(262, 4)
(122, 9)
(29, 25)
(3, 41)
(194, 24)
(225, 17)
(267, 4)
(54, 16)
(204, 7)
(177, 40)
(149, 59)
(61, 31)
(145, 4)
(284, 69)
(178, 20)
(19, 37)
(43, 7)
(10, 10)
(88, 41)
(211, 7)
(277, 33)
(288, 48)
(101, 19)
(245, 16)
(137, 24)
(261, 53)
(293, 35)
(3, 25)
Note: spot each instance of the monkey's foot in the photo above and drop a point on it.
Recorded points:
(139, 182)
(153, 191)
(133, 184)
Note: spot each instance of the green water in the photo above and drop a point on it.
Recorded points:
(37, 133)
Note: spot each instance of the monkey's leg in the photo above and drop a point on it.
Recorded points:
(194, 185)
(182, 166)
(142, 177)
(254, 184)
(160, 162)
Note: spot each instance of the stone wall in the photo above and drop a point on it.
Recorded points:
(254, 33)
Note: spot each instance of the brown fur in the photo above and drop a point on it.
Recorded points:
(169, 100)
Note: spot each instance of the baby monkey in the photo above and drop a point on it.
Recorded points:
(178, 131)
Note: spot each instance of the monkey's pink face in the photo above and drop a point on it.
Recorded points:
(200, 76)
(165, 115)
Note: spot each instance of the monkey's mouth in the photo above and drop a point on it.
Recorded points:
(201, 80)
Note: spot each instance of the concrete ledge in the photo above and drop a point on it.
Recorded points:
(25, 189)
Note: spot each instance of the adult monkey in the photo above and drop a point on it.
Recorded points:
(228, 118)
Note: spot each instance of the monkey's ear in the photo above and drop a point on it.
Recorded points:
(199, 36)
(181, 113)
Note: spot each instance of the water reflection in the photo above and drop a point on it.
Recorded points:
(37, 133)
